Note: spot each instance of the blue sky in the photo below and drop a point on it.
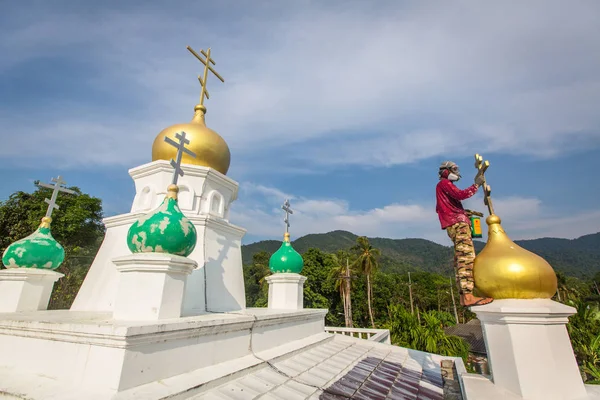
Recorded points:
(344, 107)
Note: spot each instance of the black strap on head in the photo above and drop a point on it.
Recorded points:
(446, 165)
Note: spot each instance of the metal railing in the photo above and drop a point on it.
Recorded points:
(375, 335)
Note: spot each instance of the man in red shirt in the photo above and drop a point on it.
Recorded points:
(457, 224)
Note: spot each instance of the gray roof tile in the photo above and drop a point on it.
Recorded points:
(340, 369)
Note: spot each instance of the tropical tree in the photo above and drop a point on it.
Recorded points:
(366, 261)
(341, 274)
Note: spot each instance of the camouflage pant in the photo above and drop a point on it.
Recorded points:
(464, 255)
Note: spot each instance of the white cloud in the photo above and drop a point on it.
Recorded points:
(523, 218)
(351, 84)
(508, 208)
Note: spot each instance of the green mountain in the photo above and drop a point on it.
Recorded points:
(577, 257)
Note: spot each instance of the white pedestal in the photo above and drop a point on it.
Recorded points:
(529, 350)
(286, 291)
(151, 286)
(26, 289)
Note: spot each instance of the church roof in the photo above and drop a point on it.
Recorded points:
(472, 333)
(340, 368)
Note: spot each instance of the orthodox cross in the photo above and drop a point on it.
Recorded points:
(59, 186)
(180, 146)
(482, 166)
(286, 207)
(207, 68)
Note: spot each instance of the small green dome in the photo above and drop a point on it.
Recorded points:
(164, 230)
(38, 250)
(286, 259)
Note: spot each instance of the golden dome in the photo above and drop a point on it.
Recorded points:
(210, 148)
(504, 270)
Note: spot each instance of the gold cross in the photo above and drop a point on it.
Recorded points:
(482, 166)
(207, 68)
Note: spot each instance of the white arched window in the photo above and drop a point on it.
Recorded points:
(144, 199)
(215, 204)
(185, 197)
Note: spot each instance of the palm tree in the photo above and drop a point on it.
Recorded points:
(342, 274)
(366, 261)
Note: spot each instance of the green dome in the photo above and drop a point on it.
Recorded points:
(286, 259)
(38, 250)
(164, 230)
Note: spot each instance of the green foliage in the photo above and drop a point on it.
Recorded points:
(426, 334)
(318, 290)
(584, 331)
(254, 280)
(76, 225)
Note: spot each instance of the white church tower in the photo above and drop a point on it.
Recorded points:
(205, 196)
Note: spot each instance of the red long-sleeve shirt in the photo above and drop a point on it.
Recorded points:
(449, 206)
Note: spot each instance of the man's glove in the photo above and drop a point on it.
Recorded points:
(479, 178)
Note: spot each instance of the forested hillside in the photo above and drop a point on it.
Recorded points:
(578, 257)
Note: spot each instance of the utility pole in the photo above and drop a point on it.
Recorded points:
(453, 301)
(412, 308)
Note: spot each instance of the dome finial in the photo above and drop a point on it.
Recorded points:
(207, 67)
(210, 148)
(180, 146)
(59, 186)
(288, 210)
(504, 270)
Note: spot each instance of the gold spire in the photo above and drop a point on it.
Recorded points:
(207, 68)
(504, 270)
(210, 148)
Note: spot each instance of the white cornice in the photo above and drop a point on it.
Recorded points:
(217, 224)
(98, 329)
(121, 219)
(188, 170)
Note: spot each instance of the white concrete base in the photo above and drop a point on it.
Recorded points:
(286, 291)
(151, 286)
(529, 350)
(26, 289)
(75, 352)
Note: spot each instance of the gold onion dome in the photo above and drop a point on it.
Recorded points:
(210, 148)
(504, 270)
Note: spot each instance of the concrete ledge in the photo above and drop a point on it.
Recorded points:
(92, 350)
